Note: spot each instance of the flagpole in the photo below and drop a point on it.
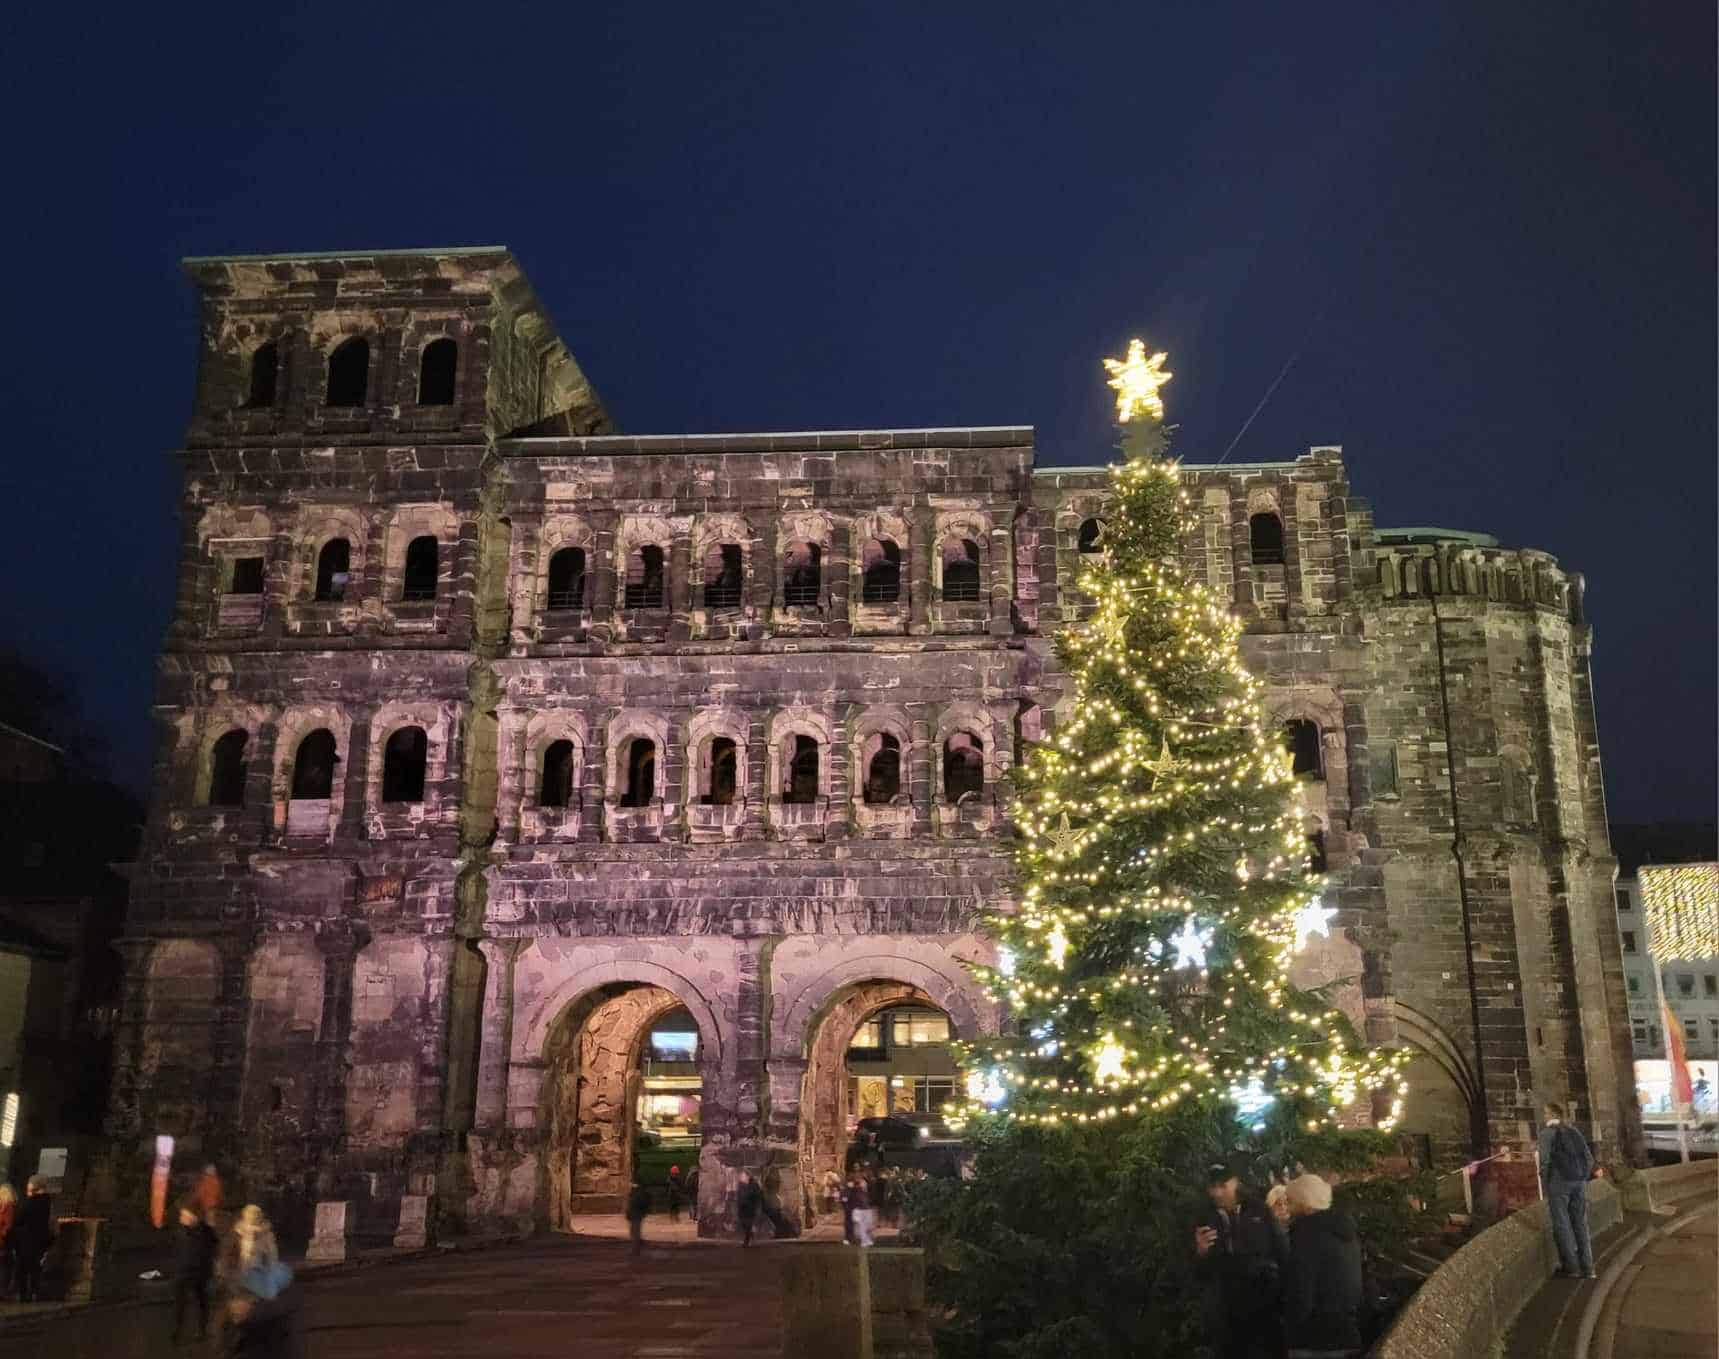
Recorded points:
(1667, 1019)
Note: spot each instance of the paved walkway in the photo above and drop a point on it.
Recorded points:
(1657, 1296)
(547, 1298)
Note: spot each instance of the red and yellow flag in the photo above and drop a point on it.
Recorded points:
(1682, 1089)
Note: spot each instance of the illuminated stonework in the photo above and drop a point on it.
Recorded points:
(546, 728)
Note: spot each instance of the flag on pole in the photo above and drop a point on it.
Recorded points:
(1682, 1088)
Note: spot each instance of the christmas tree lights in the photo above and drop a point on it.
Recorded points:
(1165, 879)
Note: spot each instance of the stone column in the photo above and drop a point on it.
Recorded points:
(355, 775)
(836, 586)
(221, 1114)
(495, 1039)
(339, 942)
(1241, 554)
(922, 532)
(1000, 567)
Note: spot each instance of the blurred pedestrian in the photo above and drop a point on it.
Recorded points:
(676, 1193)
(209, 1194)
(748, 1200)
(32, 1234)
(263, 1310)
(8, 1214)
(865, 1216)
(193, 1268)
(638, 1204)
(1322, 1282)
(1566, 1166)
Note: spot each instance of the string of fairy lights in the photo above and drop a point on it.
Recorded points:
(1166, 884)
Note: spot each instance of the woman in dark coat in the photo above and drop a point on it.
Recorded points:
(1322, 1292)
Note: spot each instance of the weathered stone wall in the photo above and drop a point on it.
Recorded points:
(357, 996)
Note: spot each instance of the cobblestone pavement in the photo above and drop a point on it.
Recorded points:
(550, 1297)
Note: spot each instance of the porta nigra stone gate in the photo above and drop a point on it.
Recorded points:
(490, 737)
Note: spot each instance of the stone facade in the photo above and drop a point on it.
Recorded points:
(545, 731)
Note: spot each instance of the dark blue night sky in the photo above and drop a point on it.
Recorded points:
(1484, 232)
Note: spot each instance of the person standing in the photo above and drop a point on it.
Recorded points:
(1240, 1249)
(32, 1234)
(748, 1199)
(638, 1204)
(1322, 1281)
(193, 1267)
(676, 1193)
(1566, 1165)
(865, 1216)
(263, 1312)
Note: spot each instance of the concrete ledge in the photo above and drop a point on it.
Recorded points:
(1465, 1308)
(1652, 1190)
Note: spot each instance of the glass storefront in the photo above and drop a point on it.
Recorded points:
(899, 1063)
(1653, 1089)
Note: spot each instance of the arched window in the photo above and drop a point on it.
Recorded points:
(1087, 541)
(1306, 753)
(1317, 859)
(802, 784)
(227, 770)
(423, 565)
(556, 787)
(333, 570)
(1265, 539)
(723, 573)
(313, 766)
(880, 572)
(802, 575)
(724, 772)
(641, 759)
(567, 579)
(265, 376)
(349, 373)
(963, 766)
(960, 570)
(403, 765)
(883, 772)
(436, 369)
(645, 578)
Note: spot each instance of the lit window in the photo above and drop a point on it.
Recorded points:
(868, 1037)
(917, 1028)
(9, 1120)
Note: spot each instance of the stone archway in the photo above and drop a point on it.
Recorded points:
(1442, 1105)
(591, 1085)
(824, 1136)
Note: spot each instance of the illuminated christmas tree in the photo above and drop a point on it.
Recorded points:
(1165, 881)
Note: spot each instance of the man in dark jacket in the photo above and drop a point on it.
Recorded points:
(1566, 1165)
(32, 1234)
(748, 1199)
(1240, 1250)
(638, 1204)
(1322, 1284)
(193, 1267)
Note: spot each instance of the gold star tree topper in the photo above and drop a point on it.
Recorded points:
(1136, 380)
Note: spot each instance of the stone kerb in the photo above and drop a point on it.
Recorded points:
(1464, 1309)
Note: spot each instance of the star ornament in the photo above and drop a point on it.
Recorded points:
(1063, 840)
(1136, 379)
(1108, 1068)
(1165, 765)
(1191, 943)
(1056, 944)
(1313, 918)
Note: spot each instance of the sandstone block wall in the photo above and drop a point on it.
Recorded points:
(361, 988)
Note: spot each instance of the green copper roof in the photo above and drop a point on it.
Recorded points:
(1434, 535)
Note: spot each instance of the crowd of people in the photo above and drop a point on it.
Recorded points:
(1282, 1274)
(227, 1270)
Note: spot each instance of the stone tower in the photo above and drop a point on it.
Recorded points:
(492, 737)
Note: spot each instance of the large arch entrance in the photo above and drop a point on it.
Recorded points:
(623, 1087)
(881, 1049)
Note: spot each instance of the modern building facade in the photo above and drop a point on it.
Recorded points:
(490, 737)
(1691, 992)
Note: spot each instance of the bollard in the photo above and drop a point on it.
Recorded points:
(414, 1230)
(333, 1239)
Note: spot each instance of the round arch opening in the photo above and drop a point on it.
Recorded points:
(624, 1086)
(879, 1072)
